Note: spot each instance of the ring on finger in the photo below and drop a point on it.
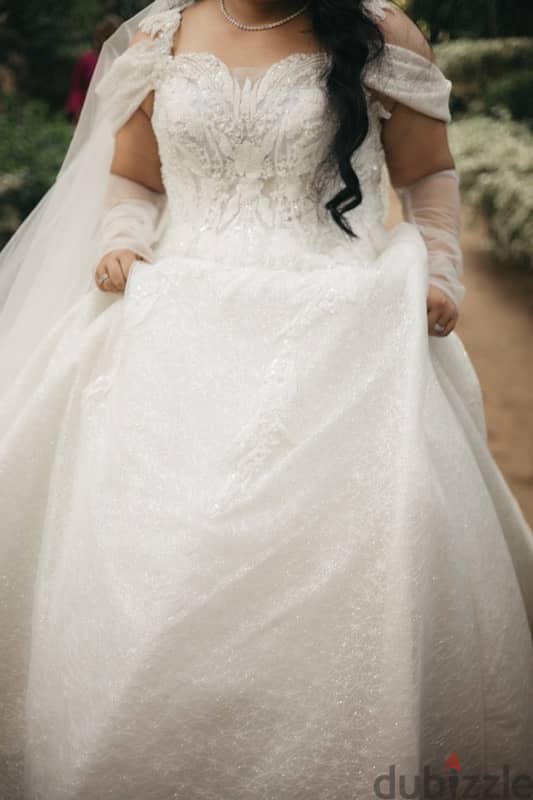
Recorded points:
(103, 278)
(438, 328)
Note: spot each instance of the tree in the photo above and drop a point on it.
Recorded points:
(39, 41)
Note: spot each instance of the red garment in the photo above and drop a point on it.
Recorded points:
(81, 78)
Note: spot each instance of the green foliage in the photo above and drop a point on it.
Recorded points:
(489, 73)
(478, 18)
(39, 41)
(33, 143)
(125, 8)
(495, 160)
(481, 60)
(515, 93)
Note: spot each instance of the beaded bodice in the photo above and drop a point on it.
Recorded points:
(240, 149)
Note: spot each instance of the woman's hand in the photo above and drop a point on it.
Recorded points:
(116, 265)
(442, 312)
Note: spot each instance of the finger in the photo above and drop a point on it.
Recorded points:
(123, 262)
(444, 322)
(116, 277)
(101, 272)
(434, 315)
(126, 260)
(438, 327)
(450, 326)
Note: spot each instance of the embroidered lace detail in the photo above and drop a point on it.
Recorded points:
(245, 165)
(163, 26)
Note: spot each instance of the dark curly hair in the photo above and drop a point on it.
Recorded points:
(353, 39)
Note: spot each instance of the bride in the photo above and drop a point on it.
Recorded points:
(253, 543)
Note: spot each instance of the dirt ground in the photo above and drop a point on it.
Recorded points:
(496, 327)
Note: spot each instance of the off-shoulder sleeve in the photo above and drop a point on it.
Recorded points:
(410, 79)
(404, 72)
(128, 82)
(135, 73)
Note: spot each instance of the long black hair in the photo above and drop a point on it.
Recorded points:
(352, 38)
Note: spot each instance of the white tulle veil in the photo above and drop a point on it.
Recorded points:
(49, 263)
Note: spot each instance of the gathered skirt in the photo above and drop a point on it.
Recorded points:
(254, 545)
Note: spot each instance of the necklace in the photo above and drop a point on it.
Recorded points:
(259, 27)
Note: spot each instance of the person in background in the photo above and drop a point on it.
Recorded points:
(86, 64)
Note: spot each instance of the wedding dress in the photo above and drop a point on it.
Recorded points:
(254, 544)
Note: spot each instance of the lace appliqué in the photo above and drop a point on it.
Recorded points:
(162, 26)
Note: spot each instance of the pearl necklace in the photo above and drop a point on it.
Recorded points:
(259, 27)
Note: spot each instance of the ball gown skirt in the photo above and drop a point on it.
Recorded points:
(254, 544)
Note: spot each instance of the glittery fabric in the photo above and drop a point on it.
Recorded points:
(254, 545)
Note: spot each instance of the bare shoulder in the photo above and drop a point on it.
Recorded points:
(398, 29)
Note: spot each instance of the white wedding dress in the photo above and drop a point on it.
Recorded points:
(253, 542)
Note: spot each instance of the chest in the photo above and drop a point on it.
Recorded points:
(272, 122)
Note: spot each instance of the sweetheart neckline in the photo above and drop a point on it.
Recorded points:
(319, 55)
(266, 71)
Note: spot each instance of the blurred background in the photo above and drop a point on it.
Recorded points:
(48, 51)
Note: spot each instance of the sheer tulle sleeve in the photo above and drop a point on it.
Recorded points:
(130, 219)
(405, 72)
(433, 204)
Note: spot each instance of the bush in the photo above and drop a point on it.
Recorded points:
(514, 92)
(33, 143)
(484, 59)
(495, 161)
(478, 66)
